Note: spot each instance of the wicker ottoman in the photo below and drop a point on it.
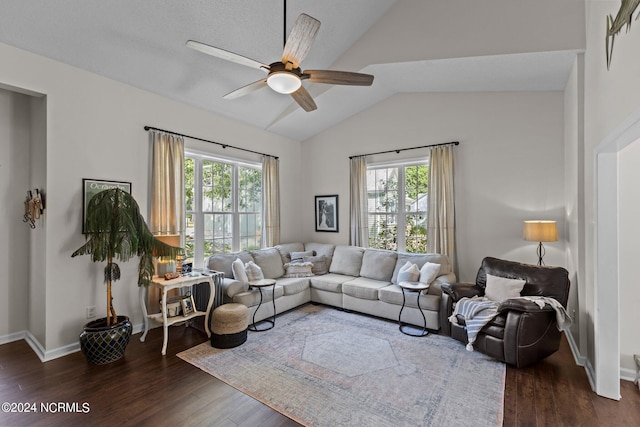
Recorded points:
(229, 325)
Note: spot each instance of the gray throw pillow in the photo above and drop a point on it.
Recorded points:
(320, 265)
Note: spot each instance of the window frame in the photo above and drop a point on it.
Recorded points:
(401, 213)
(197, 213)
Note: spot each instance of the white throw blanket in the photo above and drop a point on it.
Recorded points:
(478, 311)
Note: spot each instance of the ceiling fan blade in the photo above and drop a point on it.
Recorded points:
(226, 55)
(304, 99)
(338, 77)
(300, 39)
(251, 87)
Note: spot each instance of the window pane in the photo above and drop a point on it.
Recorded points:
(189, 237)
(189, 188)
(250, 189)
(416, 233)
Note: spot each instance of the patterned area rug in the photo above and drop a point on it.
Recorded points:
(324, 367)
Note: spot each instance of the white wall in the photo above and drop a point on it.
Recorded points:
(14, 183)
(509, 165)
(95, 129)
(610, 100)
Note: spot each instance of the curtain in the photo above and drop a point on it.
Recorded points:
(166, 194)
(271, 201)
(359, 230)
(441, 207)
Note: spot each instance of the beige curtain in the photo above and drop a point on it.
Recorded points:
(166, 198)
(271, 200)
(441, 209)
(166, 194)
(359, 230)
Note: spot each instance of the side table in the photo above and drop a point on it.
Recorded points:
(166, 286)
(416, 287)
(270, 322)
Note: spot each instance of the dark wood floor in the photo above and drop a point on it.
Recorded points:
(145, 388)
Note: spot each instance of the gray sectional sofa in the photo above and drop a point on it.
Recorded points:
(347, 277)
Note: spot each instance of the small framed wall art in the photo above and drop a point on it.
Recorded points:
(91, 187)
(327, 213)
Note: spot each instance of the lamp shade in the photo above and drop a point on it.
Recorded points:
(169, 239)
(540, 231)
(284, 82)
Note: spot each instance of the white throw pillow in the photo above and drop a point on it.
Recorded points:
(408, 273)
(429, 272)
(239, 272)
(254, 272)
(500, 288)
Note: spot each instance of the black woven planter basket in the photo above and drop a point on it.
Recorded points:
(105, 344)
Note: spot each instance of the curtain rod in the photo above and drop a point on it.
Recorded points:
(405, 149)
(148, 128)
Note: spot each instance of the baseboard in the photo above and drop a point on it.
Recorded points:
(627, 374)
(47, 355)
(581, 360)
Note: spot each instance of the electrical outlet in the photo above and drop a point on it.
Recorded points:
(91, 312)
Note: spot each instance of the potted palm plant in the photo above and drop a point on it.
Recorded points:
(116, 232)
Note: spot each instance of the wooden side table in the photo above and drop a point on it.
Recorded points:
(166, 286)
(270, 322)
(416, 287)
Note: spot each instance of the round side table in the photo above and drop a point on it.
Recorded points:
(416, 287)
(270, 323)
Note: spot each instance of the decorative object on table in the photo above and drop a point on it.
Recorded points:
(33, 207)
(540, 231)
(116, 231)
(229, 325)
(360, 372)
(188, 305)
(174, 305)
(171, 276)
(91, 187)
(624, 16)
(327, 213)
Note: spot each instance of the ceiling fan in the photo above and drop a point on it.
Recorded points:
(286, 76)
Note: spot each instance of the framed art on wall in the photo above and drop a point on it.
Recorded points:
(91, 187)
(327, 213)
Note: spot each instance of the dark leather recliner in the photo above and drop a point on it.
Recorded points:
(521, 333)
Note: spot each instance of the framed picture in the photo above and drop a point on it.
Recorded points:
(188, 305)
(91, 187)
(327, 213)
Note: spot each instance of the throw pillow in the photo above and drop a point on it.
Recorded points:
(429, 272)
(320, 265)
(239, 272)
(298, 256)
(254, 272)
(298, 269)
(408, 273)
(501, 288)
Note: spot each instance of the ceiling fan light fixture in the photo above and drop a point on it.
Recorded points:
(284, 82)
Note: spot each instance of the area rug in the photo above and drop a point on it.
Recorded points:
(323, 367)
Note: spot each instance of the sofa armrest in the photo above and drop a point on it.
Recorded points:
(233, 287)
(522, 305)
(460, 290)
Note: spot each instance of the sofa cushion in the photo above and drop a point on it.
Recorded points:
(392, 294)
(286, 248)
(502, 288)
(292, 285)
(429, 272)
(325, 249)
(378, 264)
(363, 288)
(347, 260)
(408, 273)
(329, 282)
(222, 262)
(419, 260)
(239, 272)
(270, 262)
(320, 265)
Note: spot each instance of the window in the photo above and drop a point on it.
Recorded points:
(397, 206)
(223, 206)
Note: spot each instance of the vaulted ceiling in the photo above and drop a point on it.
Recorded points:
(408, 45)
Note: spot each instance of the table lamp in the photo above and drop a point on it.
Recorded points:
(167, 264)
(540, 231)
